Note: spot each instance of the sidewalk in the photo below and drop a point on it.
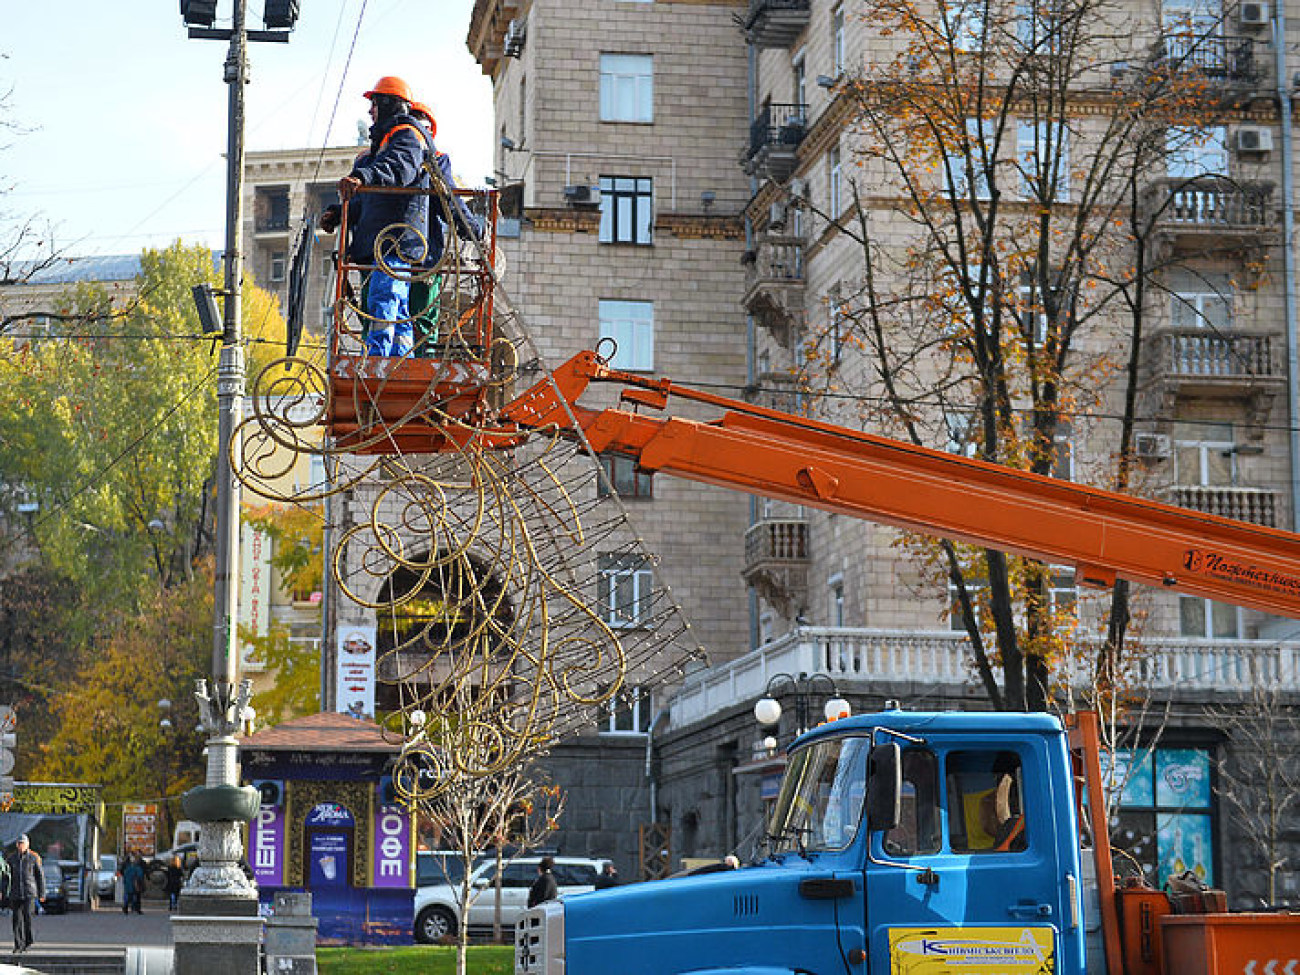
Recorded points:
(107, 926)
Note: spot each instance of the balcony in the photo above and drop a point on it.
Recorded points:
(776, 23)
(774, 138)
(774, 285)
(1225, 63)
(1211, 213)
(869, 659)
(1222, 364)
(777, 391)
(776, 561)
(1255, 505)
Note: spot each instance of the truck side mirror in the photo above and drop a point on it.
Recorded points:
(884, 786)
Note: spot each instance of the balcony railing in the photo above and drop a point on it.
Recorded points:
(774, 138)
(1255, 505)
(777, 540)
(1225, 354)
(1216, 58)
(1211, 204)
(778, 125)
(778, 258)
(776, 23)
(853, 656)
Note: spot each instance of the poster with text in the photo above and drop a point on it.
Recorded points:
(356, 670)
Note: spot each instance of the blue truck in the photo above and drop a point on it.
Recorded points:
(913, 843)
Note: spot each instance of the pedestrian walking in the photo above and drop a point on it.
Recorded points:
(175, 878)
(544, 888)
(26, 888)
(133, 881)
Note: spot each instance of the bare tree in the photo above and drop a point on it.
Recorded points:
(1259, 780)
(1008, 265)
(506, 812)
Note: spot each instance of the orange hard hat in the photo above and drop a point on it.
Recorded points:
(392, 85)
(419, 108)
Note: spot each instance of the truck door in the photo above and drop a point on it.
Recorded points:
(972, 879)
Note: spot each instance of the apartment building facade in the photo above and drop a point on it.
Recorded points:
(282, 189)
(829, 600)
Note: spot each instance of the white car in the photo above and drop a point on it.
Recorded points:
(438, 908)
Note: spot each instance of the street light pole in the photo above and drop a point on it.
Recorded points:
(767, 710)
(223, 700)
(218, 927)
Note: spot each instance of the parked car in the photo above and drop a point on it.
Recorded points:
(438, 908)
(441, 867)
(106, 876)
(56, 891)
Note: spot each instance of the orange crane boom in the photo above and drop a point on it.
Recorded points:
(1103, 534)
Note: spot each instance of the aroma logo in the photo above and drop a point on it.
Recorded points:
(1206, 563)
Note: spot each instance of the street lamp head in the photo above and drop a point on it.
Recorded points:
(165, 724)
(837, 708)
(767, 711)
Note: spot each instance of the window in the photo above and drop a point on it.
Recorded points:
(979, 143)
(1205, 619)
(1200, 300)
(1192, 30)
(965, 20)
(799, 80)
(835, 176)
(626, 205)
(985, 802)
(628, 482)
(523, 110)
(1062, 595)
(272, 208)
(1038, 26)
(1043, 158)
(631, 324)
(837, 40)
(628, 712)
(918, 827)
(1165, 817)
(835, 591)
(624, 590)
(626, 88)
(1196, 152)
(1204, 455)
(840, 324)
(278, 261)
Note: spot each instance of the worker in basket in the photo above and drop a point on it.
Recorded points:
(388, 230)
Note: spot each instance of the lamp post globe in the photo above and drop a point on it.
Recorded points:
(767, 711)
(837, 708)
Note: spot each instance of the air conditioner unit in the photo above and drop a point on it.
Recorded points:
(582, 195)
(1254, 138)
(516, 34)
(1253, 14)
(1151, 446)
(776, 216)
(271, 791)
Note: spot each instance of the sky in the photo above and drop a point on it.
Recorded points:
(122, 118)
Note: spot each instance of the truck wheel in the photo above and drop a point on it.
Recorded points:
(434, 924)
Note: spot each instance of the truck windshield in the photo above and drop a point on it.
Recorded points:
(820, 803)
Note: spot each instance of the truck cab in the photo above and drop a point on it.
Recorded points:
(900, 842)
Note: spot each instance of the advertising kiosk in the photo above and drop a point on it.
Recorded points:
(327, 827)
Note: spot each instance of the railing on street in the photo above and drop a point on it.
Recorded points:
(942, 659)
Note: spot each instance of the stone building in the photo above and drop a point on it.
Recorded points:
(621, 125)
(282, 189)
